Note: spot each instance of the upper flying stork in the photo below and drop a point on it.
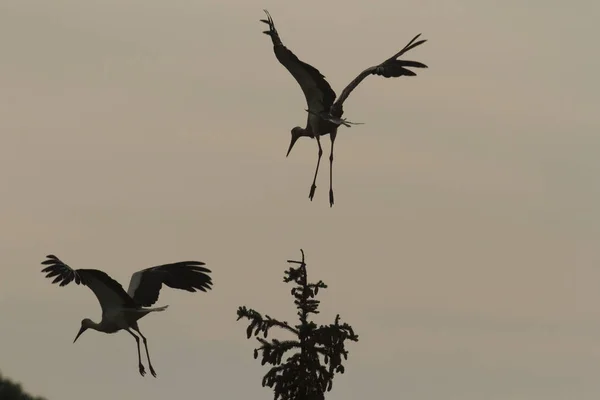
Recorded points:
(121, 309)
(324, 111)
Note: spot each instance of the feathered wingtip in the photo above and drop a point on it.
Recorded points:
(393, 68)
(269, 21)
(397, 68)
(411, 45)
(188, 275)
(63, 273)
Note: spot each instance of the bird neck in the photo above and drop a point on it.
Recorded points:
(95, 326)
(300, 132)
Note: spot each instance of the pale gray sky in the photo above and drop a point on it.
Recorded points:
(463, 245)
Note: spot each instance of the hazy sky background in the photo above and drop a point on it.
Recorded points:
(463, 245)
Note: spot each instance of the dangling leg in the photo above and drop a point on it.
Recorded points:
(137, 329)
(314, 184)
(137, 341)
(332, 134)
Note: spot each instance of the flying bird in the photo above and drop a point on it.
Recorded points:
(121, 309)
(324, 110)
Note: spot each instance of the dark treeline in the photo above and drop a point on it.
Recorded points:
(10, 390)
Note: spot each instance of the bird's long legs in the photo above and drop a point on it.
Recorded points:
(137, 341)
(332, 135)
(137, 329)
(314, 183)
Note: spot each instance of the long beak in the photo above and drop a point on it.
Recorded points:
(83, 329)
(294, 139)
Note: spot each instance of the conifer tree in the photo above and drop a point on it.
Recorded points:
(304, 367)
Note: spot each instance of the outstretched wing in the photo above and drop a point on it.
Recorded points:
(109, 292)
(145, 285)
(319, 95)
(390, 68)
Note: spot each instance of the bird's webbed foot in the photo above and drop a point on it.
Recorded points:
(152, 371)
(142, 370)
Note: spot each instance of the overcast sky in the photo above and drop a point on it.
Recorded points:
(463, 246)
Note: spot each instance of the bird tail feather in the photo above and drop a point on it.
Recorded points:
(148, 310)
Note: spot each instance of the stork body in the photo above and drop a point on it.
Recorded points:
(121, 310)
(324, 110)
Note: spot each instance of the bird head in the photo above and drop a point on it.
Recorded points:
(85, 324)
(297, 132)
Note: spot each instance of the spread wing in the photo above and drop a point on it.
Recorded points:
(145, 285)
(319, 95)
(390, 68)
(109, 292)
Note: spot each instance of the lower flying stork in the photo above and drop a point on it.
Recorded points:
(324, 111)
(121, 309)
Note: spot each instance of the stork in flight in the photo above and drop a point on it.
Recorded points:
(122, 310)
(324, 111)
